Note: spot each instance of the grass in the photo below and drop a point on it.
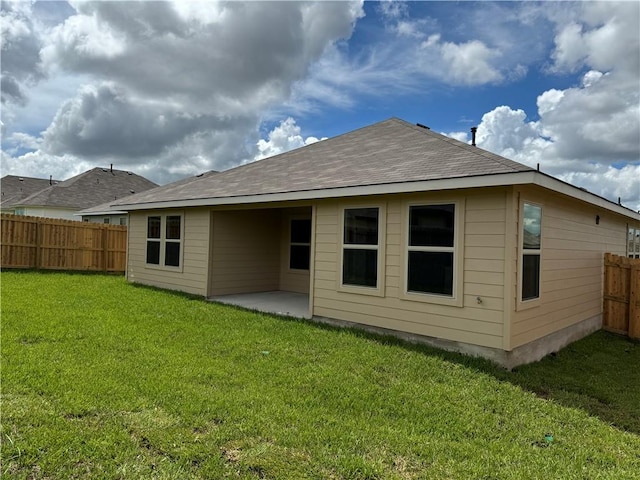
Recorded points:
(102, 379)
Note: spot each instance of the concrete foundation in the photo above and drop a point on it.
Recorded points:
(531, 352)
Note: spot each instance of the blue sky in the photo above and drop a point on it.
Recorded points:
(171, 89)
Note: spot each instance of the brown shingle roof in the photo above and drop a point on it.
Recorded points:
(105, 208)
(15, 188)
(392, 151)
(93, 187)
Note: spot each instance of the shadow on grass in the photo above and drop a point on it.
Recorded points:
(599, 374)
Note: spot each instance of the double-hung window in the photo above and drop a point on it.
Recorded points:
(173, 240)
(164, 240)
(153, 240)
(360, 247)
(531, 250)
(431, 249)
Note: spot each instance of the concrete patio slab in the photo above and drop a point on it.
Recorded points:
(282, 303)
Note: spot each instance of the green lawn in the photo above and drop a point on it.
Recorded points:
(102, 379)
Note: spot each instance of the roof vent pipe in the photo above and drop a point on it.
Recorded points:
(473, 136)
(111, 168)
(50, 179)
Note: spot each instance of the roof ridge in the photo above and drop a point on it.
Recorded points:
(470, 148)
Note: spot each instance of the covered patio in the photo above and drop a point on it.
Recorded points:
(289, 304)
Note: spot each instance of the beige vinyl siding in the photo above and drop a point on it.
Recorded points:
(50, 212)
(192, 276)
(291, 280)
(113, 219)
(246, 251)
(482, 256)
(571, 264)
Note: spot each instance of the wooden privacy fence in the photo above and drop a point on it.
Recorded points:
(622, 295)
(49, 243)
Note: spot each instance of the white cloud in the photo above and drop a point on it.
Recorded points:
(20, 51)
(470, 63)
(168, 88)
(604, 38)
(508, 133)
(393, 9)
(460, 136)
(570, 48)
(419, 54)
(286, 136)
(25, 141)
(588, 134)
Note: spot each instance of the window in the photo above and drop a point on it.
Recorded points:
(360, 247)
(300, 244)
(633, 249)
(172, 241)
(164, 239)
(531, 248)
(430, 249)
(106, 220)
(123, 221)
(153, 240)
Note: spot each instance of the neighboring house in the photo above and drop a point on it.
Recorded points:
(396, 228)
(96, 186)
(105, 213)
(14, 189)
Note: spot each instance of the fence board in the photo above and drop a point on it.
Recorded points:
(622, 295)
(48, 243)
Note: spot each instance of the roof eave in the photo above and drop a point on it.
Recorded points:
(103, 212)
(494, 180)
(377, 189)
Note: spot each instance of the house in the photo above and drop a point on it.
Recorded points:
(105, 213)
(14, 189)
(96, 186)
(396, 229)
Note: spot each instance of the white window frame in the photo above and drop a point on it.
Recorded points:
(379, 289)
(531, 302)
(633, 241)
(457, 297)
(163, 240)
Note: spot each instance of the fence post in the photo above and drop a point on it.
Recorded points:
(38, 244)
(105, 248)
(634, 321)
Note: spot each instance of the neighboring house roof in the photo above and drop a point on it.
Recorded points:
(15, 188)
(93, 187)
(102, 209)
(391, 156)
(108, 209)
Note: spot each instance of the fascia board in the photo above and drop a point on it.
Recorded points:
(551, 183)
(517, 178)
(404, 187)
(106, 212)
